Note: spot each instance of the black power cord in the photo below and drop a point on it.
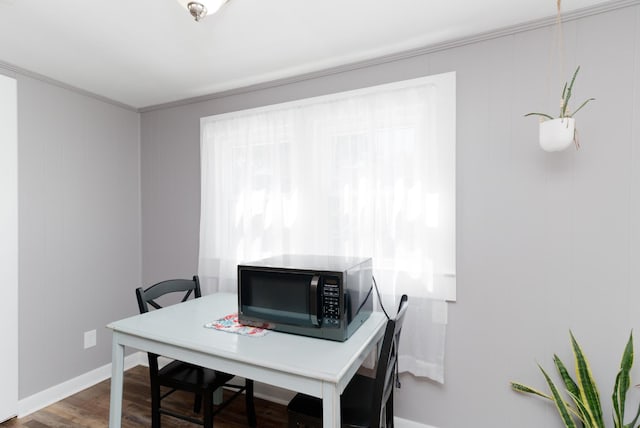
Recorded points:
(380, 298)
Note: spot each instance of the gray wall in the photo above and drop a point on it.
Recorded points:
(79, 229)
(545, 242)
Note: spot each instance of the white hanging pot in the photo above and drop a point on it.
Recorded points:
(557, 134)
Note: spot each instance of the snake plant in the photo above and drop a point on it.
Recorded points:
(583, 407)
(567, 91)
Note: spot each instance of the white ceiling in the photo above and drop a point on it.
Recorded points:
(148, 52)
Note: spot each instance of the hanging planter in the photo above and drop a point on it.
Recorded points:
(558, 133)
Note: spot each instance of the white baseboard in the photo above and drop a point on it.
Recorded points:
(405, 423)
(61, 391)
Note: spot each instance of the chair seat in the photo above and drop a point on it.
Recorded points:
(306, 411)
(185, 376)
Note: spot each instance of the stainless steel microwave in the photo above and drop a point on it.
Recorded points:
(321, 296)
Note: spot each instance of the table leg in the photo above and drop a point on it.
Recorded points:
(330, 406)
(117, 377)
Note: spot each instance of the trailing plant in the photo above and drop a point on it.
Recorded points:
(583, 403)
(567, 91)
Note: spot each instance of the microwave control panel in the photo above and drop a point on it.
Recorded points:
(331, 304)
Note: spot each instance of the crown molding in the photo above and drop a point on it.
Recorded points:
(450, 44)
(15, 71)
(10, 69)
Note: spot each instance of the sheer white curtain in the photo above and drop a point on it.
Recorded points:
(361, 173)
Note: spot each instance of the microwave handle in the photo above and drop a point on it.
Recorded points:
(313, 299)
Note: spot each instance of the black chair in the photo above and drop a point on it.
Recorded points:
(178, 375)
(366, 401)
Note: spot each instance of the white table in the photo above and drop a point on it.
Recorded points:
(317, 367)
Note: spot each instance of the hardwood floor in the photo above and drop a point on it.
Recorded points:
(90, 408)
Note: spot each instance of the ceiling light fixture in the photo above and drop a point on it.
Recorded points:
(201, 8)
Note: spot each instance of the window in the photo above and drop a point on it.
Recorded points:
(369, 172)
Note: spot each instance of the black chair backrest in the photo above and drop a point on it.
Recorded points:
(387, 362)
(148, 298)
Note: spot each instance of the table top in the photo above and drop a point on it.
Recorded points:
(182, 325)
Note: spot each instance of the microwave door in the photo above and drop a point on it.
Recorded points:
(280, 297)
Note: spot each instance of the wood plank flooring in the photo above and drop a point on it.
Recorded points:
(90, 409)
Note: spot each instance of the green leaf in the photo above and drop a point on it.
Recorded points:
(569, 383)
(563, 410)
(566, 93)
(581, 105)
(539, 114)
(618, 405)
(528, 390)
(573, 390)
(582, 413)
(588, 389)
(623, 381)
